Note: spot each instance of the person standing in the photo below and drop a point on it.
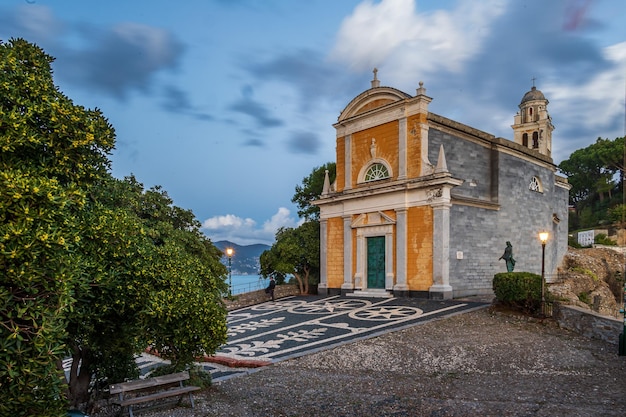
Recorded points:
(270, 288)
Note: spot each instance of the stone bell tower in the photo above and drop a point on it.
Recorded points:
(533, 127)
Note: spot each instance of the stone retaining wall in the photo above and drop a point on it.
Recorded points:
(259, 296)
(589, 323)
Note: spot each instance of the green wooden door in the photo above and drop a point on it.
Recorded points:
(376, 262)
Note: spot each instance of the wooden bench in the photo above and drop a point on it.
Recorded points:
(159, 384)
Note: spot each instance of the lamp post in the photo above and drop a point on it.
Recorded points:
(229, 253)
(543, 237)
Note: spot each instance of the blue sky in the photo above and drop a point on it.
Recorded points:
(229, 104)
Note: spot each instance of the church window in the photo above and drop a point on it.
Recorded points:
(525, 139)
(376, 172)
(535, 185)
(535, 140)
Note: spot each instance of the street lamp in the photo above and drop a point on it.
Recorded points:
(543, 237)
(229, 253)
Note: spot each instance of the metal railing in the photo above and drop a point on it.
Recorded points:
(249, 287)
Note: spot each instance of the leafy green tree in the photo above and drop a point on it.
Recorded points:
(296, 252)
(50, 150)
(92, 266)
(617, 215)
(591, 171)
(155, 281)
(311, 189)
(268, 261)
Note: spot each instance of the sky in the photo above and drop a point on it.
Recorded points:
(229, 104)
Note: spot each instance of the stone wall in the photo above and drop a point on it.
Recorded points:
(495, 205)
(589, 323)
(259, 296)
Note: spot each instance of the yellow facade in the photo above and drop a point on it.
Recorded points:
(341, 161)
(381, 138)
(414, 135)
(335, 258)
(385, 139)
(420, 248)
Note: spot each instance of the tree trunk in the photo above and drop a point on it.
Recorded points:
(80, 377)
(306, 280)
(300, 284)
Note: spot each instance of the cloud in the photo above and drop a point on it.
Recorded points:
(176, 100)
(478, 59)
(304, 142)
(305, 71)
(34, 23)
(246, 231)
(123, 59)
(393, 34)
(255, 142)
(598, 96)
(117, 61)
(259, 113)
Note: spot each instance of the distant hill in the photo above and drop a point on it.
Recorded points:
(245, 260)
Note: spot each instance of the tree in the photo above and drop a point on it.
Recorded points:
(154, 280)
(311, 190)
(92, 266)
(296, 252)
(591, 171)
(50, 150)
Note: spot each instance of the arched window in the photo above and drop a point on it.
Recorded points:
(535, 140)
(376, 172)
(525, 139)
(535, 185)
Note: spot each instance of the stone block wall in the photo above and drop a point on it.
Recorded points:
(257, 297)
(589, 323)
(495, 205)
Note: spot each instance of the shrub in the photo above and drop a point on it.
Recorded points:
(584, 297)
(520, 290)
(602, 239)
(571, 241)
(197, 375)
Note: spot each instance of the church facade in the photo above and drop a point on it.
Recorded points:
(423, 205)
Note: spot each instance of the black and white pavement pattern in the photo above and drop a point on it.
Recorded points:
(289, 327)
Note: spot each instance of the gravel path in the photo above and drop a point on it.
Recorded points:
(482, 363)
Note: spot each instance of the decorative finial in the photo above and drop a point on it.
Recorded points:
(421, 91)
(375, 82)
(533, 80)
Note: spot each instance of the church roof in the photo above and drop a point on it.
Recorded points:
(533, 94)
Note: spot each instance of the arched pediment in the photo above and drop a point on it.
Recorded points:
(372, 99)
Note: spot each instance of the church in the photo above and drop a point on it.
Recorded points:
(423, 206)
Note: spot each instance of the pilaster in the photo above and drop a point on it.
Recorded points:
(347, 255)
(401, 288)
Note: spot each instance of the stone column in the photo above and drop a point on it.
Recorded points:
(347, 285)
(322, 287)
(441, 288)
(401, 288)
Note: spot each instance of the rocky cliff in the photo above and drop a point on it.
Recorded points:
(592, 278)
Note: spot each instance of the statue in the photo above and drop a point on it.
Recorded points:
(508, 257)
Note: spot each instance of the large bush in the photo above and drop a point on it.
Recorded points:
(92, 267)
(521, 290)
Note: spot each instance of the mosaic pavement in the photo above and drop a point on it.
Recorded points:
(295, 326)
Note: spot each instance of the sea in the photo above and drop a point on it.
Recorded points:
(247, 283)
